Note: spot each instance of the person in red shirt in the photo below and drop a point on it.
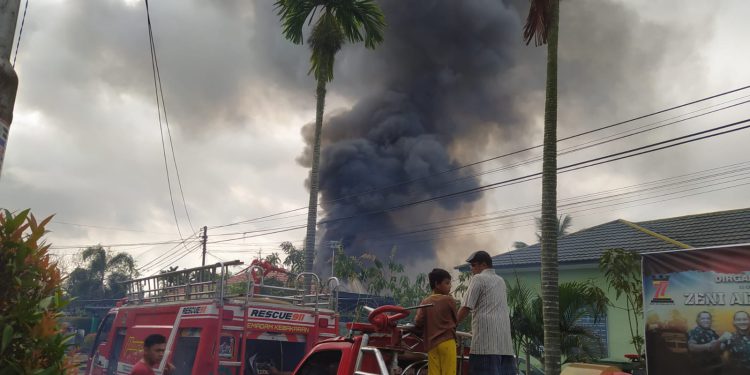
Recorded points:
(438, 324)
(153, 352)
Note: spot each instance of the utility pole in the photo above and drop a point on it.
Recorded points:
(8, 77)
(333, 245)
(205, 239)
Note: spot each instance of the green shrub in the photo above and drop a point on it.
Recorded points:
(30, 300)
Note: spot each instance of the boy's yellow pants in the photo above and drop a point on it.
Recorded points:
(441, 360)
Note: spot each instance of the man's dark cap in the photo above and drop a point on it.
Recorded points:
(480, 256)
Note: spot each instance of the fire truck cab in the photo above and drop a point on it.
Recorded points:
(215, 327)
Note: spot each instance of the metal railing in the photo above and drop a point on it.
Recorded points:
(292, 292)
(211, 282)
(206, 282)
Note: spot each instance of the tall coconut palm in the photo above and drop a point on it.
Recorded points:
(335, 22)
(542, 27)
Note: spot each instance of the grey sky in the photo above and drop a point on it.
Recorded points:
(85, 141)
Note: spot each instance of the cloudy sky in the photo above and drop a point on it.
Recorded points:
(453, 84)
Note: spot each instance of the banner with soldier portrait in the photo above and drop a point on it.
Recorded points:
(697, 311)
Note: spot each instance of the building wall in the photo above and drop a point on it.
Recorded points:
(618, 331)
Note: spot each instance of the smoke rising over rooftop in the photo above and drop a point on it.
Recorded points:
(442, 81)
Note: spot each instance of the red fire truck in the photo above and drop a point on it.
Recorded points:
(215, 327)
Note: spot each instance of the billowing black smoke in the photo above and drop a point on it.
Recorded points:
(444, 85)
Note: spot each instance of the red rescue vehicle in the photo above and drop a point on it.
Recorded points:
(379, 347)
(215, 327)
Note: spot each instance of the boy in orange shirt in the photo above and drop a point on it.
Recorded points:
(438, 324)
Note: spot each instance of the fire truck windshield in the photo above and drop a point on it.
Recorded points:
(324, 362)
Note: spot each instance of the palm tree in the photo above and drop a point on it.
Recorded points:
(577, 300)
(563, 224)
(527, 333)
(337, 22)
(103, 274)
(542, 25)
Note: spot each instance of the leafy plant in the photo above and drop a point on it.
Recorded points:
(622, 269)
(382, 278)
(524, 319)
(460, 289)
(30, 299)
(577, 300)
(295, 258)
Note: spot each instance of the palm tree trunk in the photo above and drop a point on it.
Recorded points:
(528, 360)
(550, 290)
(312, 208)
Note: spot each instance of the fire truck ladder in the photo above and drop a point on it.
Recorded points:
(199, 283)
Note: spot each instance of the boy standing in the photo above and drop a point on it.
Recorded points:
(438, 324)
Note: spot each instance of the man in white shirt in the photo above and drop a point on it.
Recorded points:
(486, 299)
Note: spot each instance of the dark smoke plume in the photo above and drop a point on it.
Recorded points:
(453, 83)
(441, 84)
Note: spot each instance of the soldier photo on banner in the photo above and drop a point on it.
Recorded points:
(696, 305)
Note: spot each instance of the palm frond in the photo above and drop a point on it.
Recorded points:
(519, 245)
(361, 15)
(537, 22)
(564, 222)
(293, 14)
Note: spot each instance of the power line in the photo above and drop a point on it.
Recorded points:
(167, 265)
(165, 260)
(173, 250)
(712, 174)
(271, 231)
(495, 229)
(169, 135)
(586, 145)
(590, 144)
(502, 226)
(716, 179)
(569, 150)
(720, 172)
(107, 228)
(215, 257)
(78, 247)
(567, 168)
(159, 93)
(515, 152)
(575, 166)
